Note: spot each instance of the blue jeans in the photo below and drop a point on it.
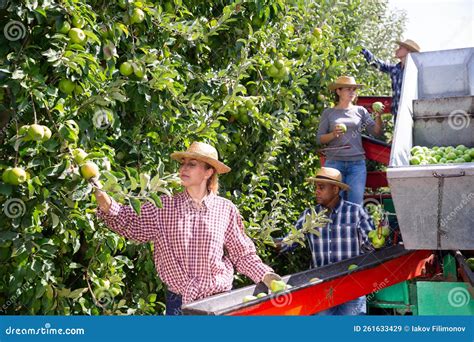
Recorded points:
(354, 307)
(354, 174)
(173, 304)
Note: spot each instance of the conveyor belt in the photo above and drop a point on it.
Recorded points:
(336, 285)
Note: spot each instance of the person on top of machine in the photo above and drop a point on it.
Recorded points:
(395, 70)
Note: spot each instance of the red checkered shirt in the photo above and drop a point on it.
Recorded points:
(189, 242)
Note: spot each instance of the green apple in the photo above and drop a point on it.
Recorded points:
(63, 27)
(6, 175)
(378, 242)
(280, 63)
(272, 71)
(77, 36)
(416, 150)
(138, 70)
(317, 32)
(470, 262)
(343, 127)
(78, 22)
(301, 49)
(36, 132)
(378, 107)
(17, 176)
(122, 4)
(261, 295)
(451, 156)
(415, 160)
(283, 73)
(137, 16)
(67, 86)
(277, 286)
(78, 90)
(248, 298)
(89, 170)
(352, 267)
(24, 130)
(372, 233)
(79, 155)
(47, 134)
(385, 231)
(126, 68)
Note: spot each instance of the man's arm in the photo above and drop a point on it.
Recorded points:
(379, 64)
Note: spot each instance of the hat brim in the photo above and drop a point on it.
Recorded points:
(219, 166)
(334, 86)
(342, 185)
(408, 46)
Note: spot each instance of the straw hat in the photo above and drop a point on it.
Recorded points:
(344, 82)
(203, 152)
(410, 45)
(330, 176)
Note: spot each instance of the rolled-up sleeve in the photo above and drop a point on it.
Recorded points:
(124, 220)
(242, 250)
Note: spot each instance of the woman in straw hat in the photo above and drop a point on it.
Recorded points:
(394, 70)
(198, 236)
(340, 128)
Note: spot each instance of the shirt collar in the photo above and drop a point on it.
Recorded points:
(336, 209)
(206, 201)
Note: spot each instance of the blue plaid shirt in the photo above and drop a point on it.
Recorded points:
(345, 237)
(396, 75)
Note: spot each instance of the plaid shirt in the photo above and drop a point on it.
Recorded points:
(396, 75)
(345, 237)
(189, 242)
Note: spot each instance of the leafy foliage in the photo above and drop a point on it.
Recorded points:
(249, 77)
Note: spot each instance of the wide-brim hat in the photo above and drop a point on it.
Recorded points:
(410, 45)
(203, 152)
(344, 82)
(330, 176)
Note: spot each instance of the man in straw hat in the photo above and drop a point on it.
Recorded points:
(346, 236)
(395, 70)
(198, 236)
